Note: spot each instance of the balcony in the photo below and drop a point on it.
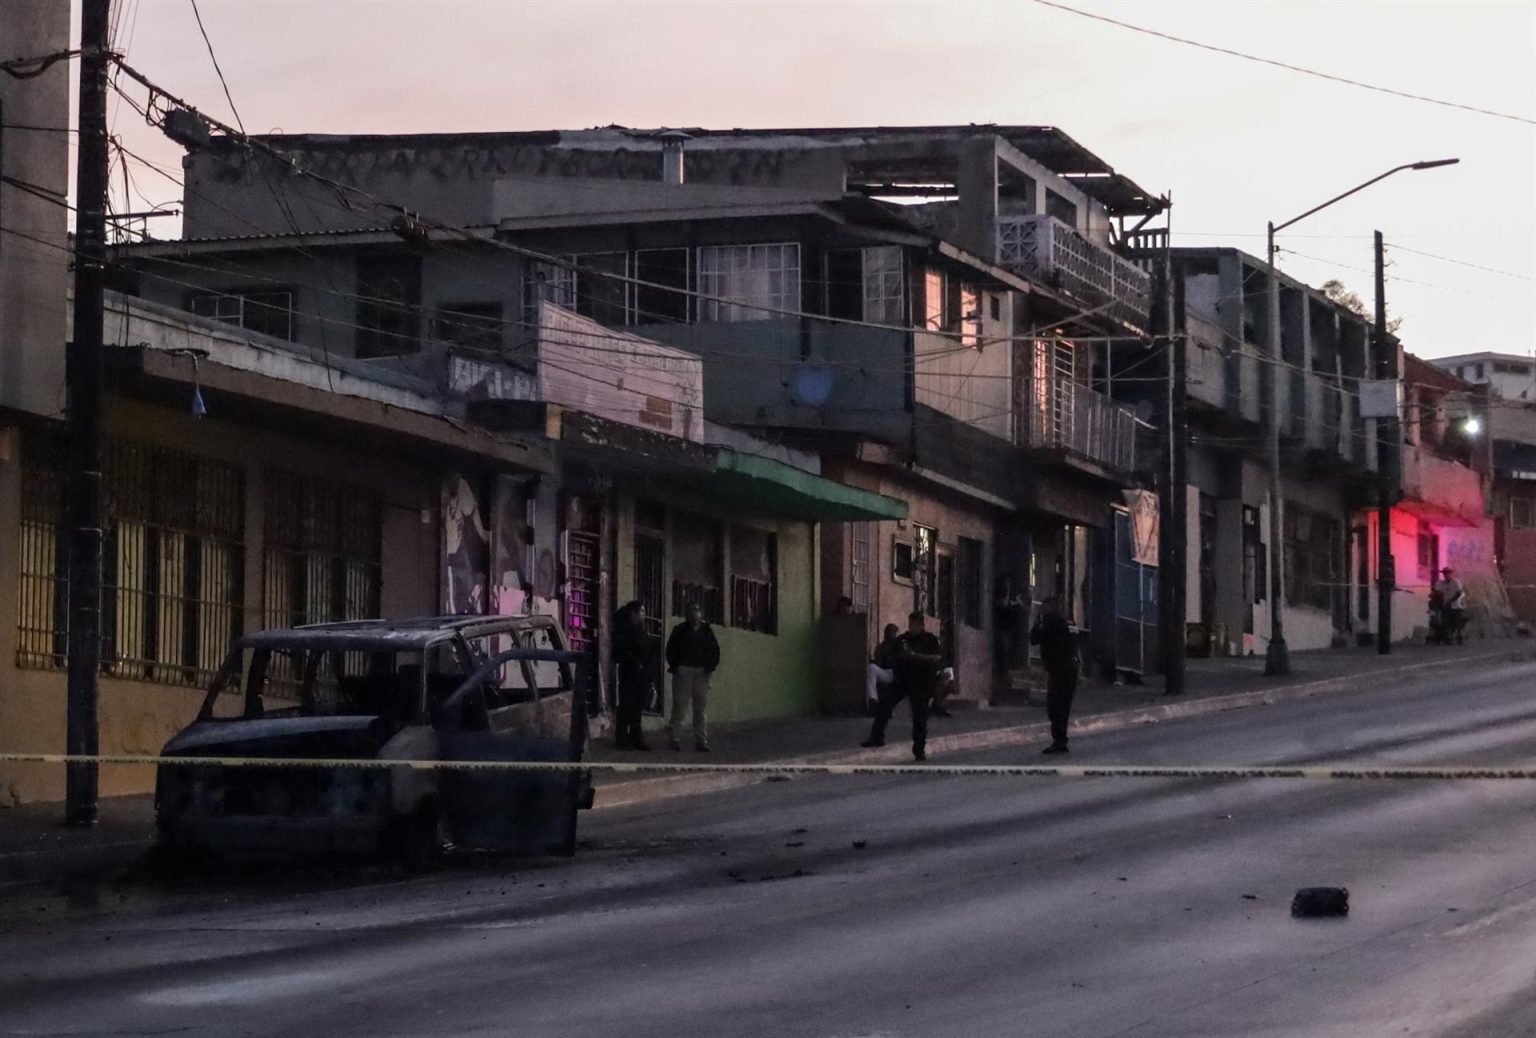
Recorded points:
(1045, 249)
(1069, 417)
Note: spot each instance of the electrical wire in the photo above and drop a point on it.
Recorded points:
(1286, 65)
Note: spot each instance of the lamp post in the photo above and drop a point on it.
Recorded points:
(1277, 658)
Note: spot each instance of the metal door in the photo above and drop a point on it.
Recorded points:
(650, 590)
(493, 717)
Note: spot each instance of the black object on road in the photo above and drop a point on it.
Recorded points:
(1315, 902)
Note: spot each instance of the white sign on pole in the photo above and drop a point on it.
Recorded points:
(1380, 398)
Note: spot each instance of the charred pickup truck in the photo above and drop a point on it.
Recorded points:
(459, 688)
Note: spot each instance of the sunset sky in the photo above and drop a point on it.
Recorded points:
(1234, 142)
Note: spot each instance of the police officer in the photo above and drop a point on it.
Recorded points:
(1058, 651)
(915, 665)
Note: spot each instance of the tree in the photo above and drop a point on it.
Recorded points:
(1339, 293)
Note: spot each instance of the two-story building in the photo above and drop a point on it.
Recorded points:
(907, 304)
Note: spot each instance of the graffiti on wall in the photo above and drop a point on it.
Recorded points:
(466, 549)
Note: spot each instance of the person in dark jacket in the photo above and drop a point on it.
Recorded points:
(632, 660)
(915, 669)
(1058, 652)
(692, 657)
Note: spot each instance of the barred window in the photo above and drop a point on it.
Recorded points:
(173, 562)
(322, 552)
(754, 580)
(322, 558)
(1311, 547)
(43, 606)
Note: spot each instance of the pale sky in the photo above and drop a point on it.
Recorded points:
(1235, 143)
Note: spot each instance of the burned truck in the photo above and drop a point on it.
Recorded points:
(441, 689)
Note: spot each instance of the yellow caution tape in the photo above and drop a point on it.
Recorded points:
(1151, 771)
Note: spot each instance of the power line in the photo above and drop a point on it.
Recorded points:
(215, 59)
(406, 222)
(1287, 66)
(1462, 263)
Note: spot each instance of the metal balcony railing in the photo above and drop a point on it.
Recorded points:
(1047, 250)
(1069, 416)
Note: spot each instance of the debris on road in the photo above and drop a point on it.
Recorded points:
(1313, 902)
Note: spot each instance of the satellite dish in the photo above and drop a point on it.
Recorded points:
(811, 385)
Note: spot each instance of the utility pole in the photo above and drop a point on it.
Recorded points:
(1175, 568)
(84, 378)
(1277, 658)
(1388, 443)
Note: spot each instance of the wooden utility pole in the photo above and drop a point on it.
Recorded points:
(84, 378)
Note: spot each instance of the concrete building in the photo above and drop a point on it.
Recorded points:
(1443, 515)
(1509, 376)
(1329, 457)
(906, 304)
(34, 260)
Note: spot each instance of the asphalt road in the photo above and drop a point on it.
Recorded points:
(888, 906)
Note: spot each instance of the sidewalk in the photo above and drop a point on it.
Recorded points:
(35, 847)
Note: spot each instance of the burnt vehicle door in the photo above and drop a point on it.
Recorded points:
(501, 713)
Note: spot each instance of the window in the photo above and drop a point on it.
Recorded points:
(1477, 370)
(901, 560)
(754, 580)
(1520, 515)
(1504, 367)
(475, 326)
(935, 300)
(173, 562)
(748, 282)
(605, 299)
(860, 550)
(44, 592)
(389, 305)
(970, 317)
(696, 566)
(550, 283)
(269, 312)
(323, 545)
(884, 290)
(968, 580)
(925, 582)
(1311, 542)
(1428, 551)
(1060, 208)
(996, 302)
(661, 294)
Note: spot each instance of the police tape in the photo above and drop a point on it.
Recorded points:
(1358, 773)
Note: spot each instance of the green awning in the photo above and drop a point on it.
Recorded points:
(752, 485)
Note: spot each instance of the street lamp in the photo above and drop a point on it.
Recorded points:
(1277, 658)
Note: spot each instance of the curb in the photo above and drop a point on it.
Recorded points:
(642, 791)
(25, 867)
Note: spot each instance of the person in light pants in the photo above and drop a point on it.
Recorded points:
(880, 672)
(692, 656)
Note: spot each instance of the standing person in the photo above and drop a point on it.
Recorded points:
(880, 664)
(1453, 604)
(1007, 616)
(692, 656)
(918, 659)
(632, 660)
(1058, 651)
